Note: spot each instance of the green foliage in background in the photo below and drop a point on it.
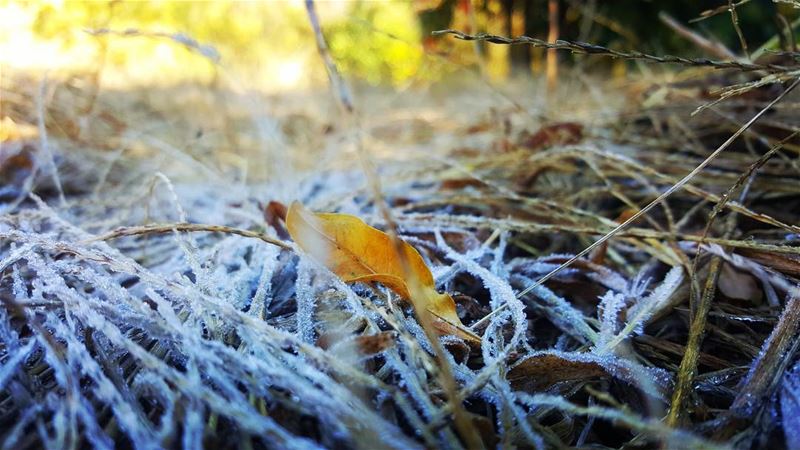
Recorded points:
(380, 42)
(374, 41)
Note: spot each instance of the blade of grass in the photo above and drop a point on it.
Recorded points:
(187, 227)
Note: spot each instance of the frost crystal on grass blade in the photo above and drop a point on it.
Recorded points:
(561, 312)
(638, 314)
(306, 302)
(611, 304)
(643, 309)
(500, 291)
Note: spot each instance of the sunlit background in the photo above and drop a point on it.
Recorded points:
(231, 81)
(270, 46)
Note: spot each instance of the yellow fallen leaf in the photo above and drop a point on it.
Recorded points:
(357, 252)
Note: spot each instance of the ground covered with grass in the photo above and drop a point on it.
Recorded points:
(152, 297)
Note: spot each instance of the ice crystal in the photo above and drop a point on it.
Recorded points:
(499, 290)
(613, 303)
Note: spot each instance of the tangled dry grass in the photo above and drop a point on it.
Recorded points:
(680, 331)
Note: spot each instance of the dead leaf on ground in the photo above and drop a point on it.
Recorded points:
(357, 252)
(16, 166)
(564, 133)
(275, 216)
(456, 184)
(365, 345)
(542, 371)
(373, 344)
(738, 285)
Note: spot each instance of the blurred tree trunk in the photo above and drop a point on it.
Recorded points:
(552, 36)
(519, 55)
(529, 18)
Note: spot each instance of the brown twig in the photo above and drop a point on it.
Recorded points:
(592, 49)
(187, 227)
(718, 10)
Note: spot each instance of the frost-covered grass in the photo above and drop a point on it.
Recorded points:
(210, 337)
(217, 340)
